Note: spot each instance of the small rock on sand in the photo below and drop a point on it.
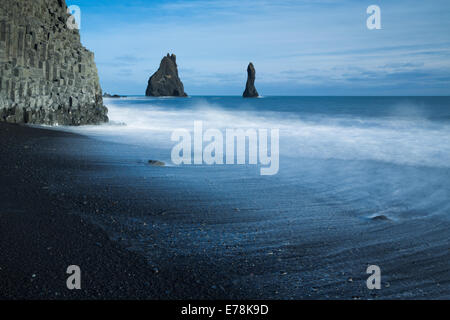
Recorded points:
(156, 163)
(380, 218)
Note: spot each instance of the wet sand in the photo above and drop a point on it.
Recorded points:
(39, 239)
(141, 232)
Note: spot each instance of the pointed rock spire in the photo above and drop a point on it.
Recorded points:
(250, 90)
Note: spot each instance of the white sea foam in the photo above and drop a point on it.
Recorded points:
(411, 141)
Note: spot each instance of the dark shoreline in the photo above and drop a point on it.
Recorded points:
(48, 222)
(39, 239)
(62, 204)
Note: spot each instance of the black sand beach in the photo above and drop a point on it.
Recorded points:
(62, 204)
(153, 197)
(39, 240)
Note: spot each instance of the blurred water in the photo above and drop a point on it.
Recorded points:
(343, 161)
(388, 155)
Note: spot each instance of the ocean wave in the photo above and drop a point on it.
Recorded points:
(410, 141)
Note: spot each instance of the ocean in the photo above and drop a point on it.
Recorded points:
(361, 181)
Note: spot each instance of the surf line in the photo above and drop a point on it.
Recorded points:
(235, 147)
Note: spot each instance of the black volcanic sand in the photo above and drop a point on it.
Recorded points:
(39, 240)
(145, 232)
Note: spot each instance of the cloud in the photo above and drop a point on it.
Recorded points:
(128, 59)
(125, 72)
(318, 44)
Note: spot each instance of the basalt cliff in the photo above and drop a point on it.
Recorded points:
(46, 75)
(165, 82)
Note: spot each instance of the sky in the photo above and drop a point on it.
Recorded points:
(298, 47)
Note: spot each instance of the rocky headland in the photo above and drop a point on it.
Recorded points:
(46, 75)
(114, 96)
(165, 82)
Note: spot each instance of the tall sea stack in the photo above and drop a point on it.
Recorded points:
(165, 82)
(46, 75)
(250, 90)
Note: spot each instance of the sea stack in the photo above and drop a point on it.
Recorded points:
(250, 90)
(46, 75)
(165, 82)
